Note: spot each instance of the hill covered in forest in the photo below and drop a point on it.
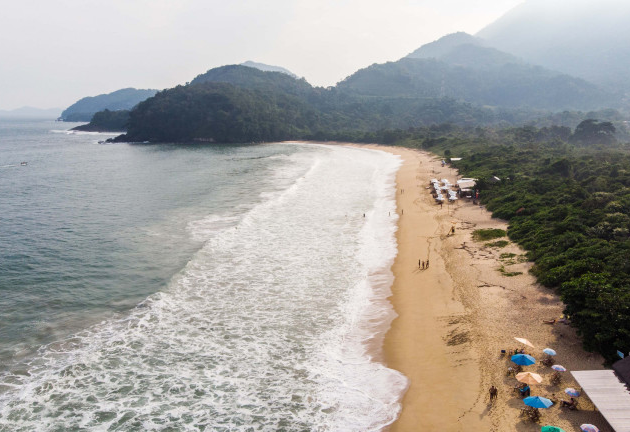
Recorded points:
(458, 78)
(242, 104)
(123, 99)
(459, 66)
(268, 68)
(236, 103)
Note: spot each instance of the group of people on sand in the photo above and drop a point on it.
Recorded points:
(422, 264)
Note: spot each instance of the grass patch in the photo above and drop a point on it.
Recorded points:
(488, 234)
(508, 258)
(498, 244)
(504, 272)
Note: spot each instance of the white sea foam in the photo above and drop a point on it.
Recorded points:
(74, 132)
(272, 325)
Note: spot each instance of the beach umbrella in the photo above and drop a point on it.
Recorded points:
(559, 368)
(549, 351)
(587, 427)
(537, 402)
(523, 359)
(551, 429)
(572, 392)
(525, 342)
(529, 378)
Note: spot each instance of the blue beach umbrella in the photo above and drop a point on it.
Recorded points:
(572, 392)
(559, 368)
(537, 402)
(523, 359)
(549, 351)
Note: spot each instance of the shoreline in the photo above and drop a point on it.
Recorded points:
(455, 317)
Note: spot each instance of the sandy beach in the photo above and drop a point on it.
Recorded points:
(455, 317)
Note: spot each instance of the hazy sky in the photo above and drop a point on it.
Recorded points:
(53, 52)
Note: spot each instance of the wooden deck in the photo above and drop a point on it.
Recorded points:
(609, 394)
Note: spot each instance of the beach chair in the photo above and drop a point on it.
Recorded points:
(572, 407)
(525, 392)
(547, 362)
(530, 413)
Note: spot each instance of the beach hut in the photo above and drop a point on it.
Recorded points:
(466, 183)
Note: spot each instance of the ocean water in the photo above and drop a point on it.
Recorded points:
(176, 288)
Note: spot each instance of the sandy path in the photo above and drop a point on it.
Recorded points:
(455, 317)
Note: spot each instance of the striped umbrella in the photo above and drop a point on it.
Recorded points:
(572, 392)
(559, 368)
(587, 427)
(549, 351)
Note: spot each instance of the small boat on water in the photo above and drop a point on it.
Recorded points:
(23, 163)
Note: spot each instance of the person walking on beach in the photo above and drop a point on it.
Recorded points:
(494, 392)
(427, 263)
(422, 265)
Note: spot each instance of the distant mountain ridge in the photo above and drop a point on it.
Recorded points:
(31, 112)
(459, 66)
(241, 104)
(458, 79)
(444, 45)
(268, 68)
(248, 77)
(123, 99)
(462, 49)
(582, 38)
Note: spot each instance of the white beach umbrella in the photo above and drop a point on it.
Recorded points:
(525, 342)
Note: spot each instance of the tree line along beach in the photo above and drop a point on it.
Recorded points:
(456, 317)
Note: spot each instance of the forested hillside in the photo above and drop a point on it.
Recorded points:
(106, 121)
(242, 104)
(123, 99)
(461, 67)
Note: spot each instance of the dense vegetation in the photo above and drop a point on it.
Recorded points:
(219, 112)
(567, 200)
(242, 104)
(123, 99)
(509, 85)
(106, 121)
